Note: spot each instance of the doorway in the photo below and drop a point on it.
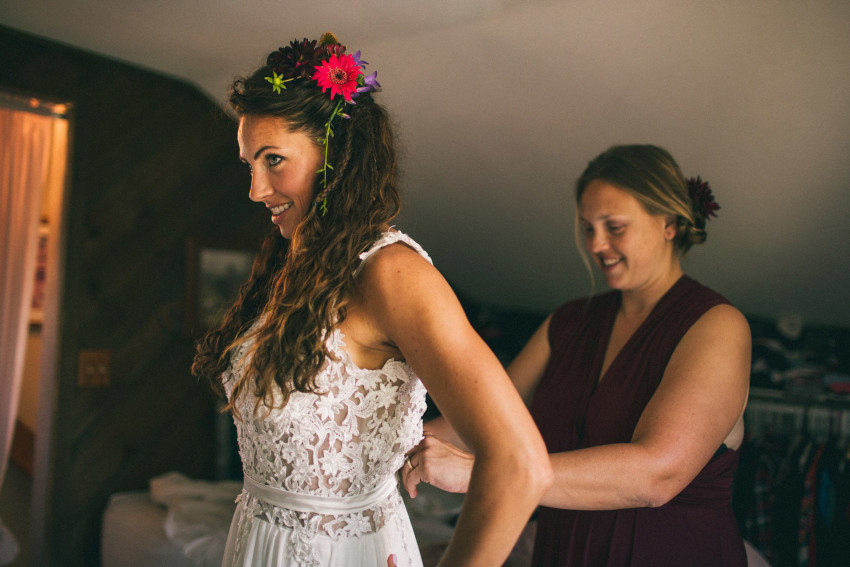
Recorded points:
(34, 141)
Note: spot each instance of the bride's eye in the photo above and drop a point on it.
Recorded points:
(274, 159)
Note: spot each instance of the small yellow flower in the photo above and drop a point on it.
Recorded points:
(277, 82)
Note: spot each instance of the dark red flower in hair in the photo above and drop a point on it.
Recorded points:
(297, 60)
(702, 197)
(331, 45)
(334, 49)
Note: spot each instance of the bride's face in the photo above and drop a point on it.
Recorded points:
(283, 166)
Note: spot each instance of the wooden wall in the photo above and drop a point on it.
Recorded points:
(154, 162)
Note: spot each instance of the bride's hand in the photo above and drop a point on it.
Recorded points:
(438, 463)
(391, 560)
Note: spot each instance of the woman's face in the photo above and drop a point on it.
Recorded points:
(632, 247)
(283, 168)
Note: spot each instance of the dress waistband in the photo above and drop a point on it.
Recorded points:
(320, 504)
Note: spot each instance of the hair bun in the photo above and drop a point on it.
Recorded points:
(695, 235)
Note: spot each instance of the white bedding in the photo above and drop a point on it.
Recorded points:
(133, 534)
(180, 522)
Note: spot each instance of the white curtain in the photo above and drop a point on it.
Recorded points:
(25, 140)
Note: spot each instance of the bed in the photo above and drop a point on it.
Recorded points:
(182, 522)
(178, 522)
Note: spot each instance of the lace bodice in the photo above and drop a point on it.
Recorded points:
(345, 440)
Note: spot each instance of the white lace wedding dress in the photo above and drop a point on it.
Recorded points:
(321, 483)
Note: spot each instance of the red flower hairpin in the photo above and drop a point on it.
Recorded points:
(702, 197)
(332, 69)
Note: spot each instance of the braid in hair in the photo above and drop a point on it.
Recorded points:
(299, 294)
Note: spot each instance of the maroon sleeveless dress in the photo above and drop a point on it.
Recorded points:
(697, 527)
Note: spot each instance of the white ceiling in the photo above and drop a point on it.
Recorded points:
(500, 104)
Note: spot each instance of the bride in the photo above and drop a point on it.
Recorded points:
(343, 324)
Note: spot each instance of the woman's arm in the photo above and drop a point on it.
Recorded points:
(525, 371)
(413, 305)
(698, 405)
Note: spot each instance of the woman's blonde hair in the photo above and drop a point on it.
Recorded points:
(653, 177)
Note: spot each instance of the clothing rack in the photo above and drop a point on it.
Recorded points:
(769, 412)
(791, 494)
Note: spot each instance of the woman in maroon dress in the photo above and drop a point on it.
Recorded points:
(639, 392)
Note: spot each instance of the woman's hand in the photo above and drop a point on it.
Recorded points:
(438, 463)
(391, 560)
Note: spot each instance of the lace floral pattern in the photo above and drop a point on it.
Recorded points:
(345, 440)
(306, 525)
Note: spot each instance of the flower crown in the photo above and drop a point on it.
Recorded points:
(702, 197)
(330, 67)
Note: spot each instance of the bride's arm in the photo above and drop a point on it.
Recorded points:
(525, 372)
(415, 308)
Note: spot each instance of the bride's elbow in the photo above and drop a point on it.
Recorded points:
(537, 474)
(546, 477)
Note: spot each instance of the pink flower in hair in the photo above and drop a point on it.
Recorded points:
(339, 74)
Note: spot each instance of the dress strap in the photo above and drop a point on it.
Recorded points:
(391, 237)
(331, 505)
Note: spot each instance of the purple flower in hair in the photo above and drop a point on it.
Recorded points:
(370, 83)
(359, 61)
(365, 83)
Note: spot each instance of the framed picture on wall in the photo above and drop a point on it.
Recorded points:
(216, 271)
(38, 288)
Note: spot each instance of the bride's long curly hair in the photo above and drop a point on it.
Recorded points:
(299, 289)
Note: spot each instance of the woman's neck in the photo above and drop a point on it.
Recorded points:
(637, 303)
